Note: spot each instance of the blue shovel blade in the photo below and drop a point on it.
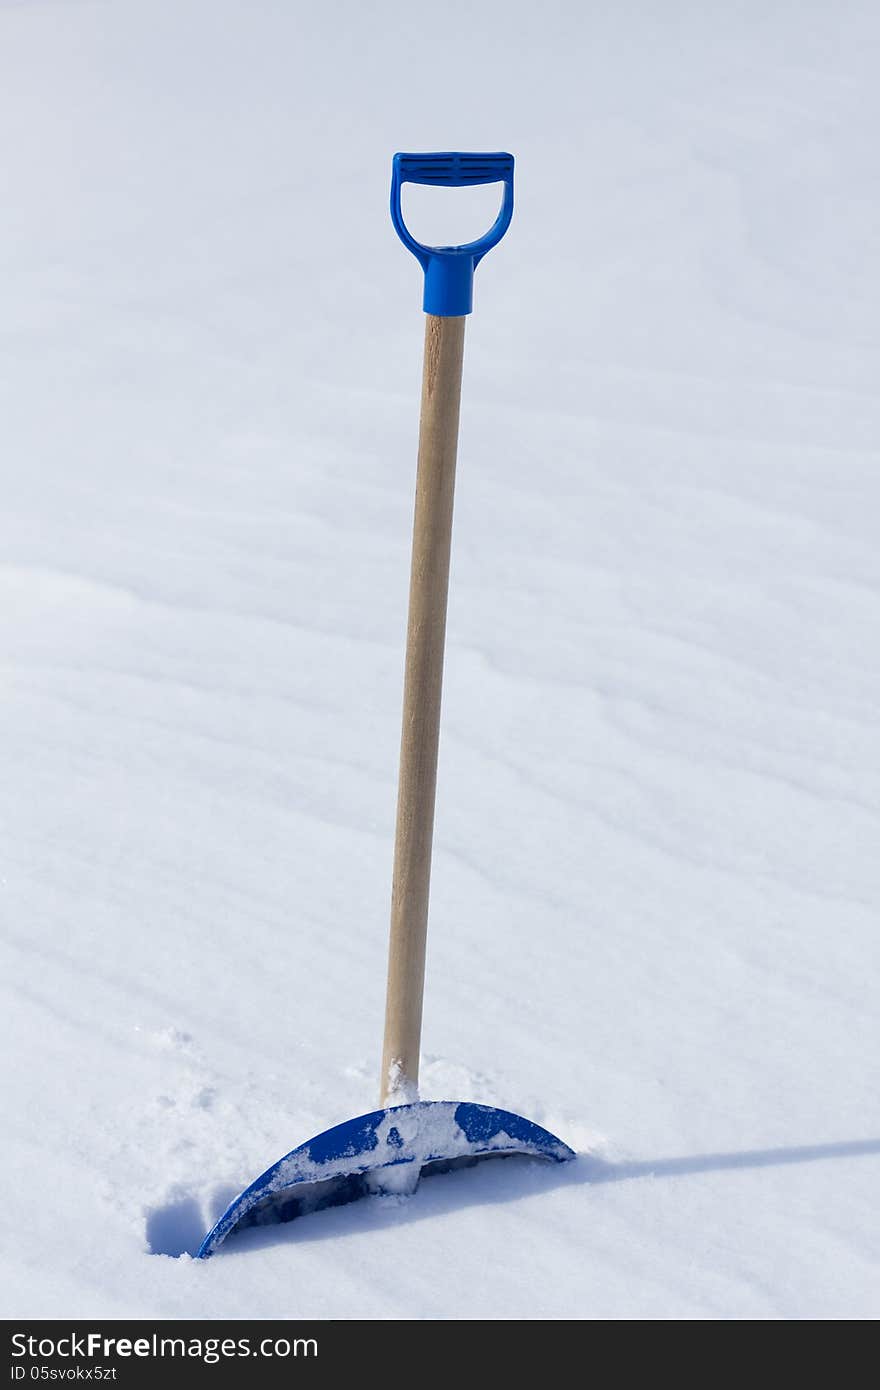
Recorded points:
(385, 1151)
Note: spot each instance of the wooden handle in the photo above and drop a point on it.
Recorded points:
(425, 640)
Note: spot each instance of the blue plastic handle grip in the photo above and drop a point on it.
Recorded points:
(449, 270)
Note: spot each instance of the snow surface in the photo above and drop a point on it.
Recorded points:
(655, 905)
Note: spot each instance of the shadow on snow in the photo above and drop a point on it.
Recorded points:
(178, 1227)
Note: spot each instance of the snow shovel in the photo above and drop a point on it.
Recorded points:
(389, 1149)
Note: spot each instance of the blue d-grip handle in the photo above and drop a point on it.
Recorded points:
(449, 270)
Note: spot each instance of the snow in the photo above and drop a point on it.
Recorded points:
(656, 880)
(399, 1089)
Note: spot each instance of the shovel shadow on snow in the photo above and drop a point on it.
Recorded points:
(176, 1227)
(599, 1170)
(513, 1178)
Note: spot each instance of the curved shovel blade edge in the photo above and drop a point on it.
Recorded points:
(384, 1151)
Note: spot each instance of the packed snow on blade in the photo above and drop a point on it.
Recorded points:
(385, 1151)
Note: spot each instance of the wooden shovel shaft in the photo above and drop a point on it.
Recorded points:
(426, 635)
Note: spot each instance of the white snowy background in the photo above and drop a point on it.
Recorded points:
(656, 884)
